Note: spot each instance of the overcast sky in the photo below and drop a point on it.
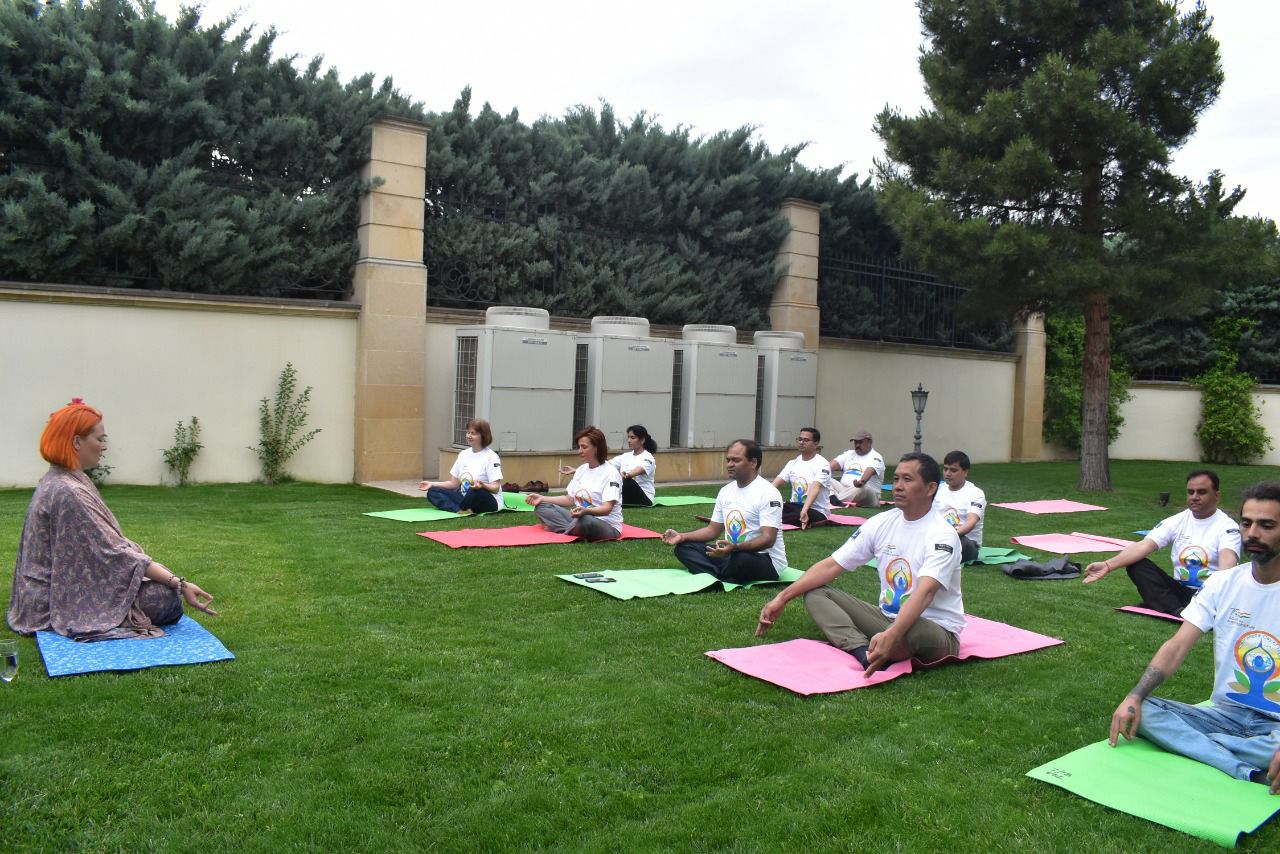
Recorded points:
(816, 73)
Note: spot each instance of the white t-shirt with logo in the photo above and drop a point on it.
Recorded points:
(852, 465)
(474, 467)
(644, 480)
(592, 487)
(905, 551)
(1244, 617)
(745, 510)
(1194, 544)
(955, 505)
(804, 475)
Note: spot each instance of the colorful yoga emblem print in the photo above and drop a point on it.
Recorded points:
(1193, 565)
(583, 499)
(799, 489)
(897, 579)
(465, 483)
(952, 516)
(1257, 660)
(735, 526)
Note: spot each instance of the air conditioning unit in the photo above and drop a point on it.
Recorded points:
(628, 377)
(516, 373)
(717, 382)
(788, 387)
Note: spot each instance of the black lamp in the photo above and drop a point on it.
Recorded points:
(919, 397)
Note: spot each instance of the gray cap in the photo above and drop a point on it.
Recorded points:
(861, 434)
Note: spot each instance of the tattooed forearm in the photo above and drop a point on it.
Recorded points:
(1148, 683)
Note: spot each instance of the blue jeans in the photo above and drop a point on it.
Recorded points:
(476, 500)
(1234, 739)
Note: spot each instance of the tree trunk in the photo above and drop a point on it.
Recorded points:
(1095, 462)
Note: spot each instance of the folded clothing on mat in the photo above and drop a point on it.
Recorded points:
(812, 667)
(1051, 570)
(185, 642)
(1139, 778)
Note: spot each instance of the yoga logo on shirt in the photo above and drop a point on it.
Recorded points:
(799, 489)
(1257, 661)
(583, 499)
(952, 516)
(897, 585)
(735, 525)
(465, 483)
(1193, 565)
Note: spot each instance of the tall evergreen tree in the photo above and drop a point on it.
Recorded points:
(1041, 174)
(175, 155)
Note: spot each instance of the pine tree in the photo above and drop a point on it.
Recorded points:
(1040, 175)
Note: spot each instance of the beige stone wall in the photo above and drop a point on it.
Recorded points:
(868, 386)
(148, 360)
(1160, 422)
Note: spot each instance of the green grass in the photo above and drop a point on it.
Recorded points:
(391, 694)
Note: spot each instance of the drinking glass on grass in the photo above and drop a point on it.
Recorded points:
(8, 660)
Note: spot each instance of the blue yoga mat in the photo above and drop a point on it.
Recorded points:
(185, 642)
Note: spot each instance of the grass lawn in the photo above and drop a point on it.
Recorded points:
(392, 694)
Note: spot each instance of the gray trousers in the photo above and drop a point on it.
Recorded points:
(859, 496)
(850, 623)
(556, 518)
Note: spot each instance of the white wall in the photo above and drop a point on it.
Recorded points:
(1160, 423)
(148, 361)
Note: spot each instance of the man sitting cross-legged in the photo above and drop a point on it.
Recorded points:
(744, 533)
(862, 473)
(921, 613)
(1201, 540)
(810, 477)
(1238, 735)
(962, 504)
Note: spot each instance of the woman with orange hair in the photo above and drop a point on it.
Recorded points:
(76, 572)
(594, 499)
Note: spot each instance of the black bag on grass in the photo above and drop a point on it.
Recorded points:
(1030, 570)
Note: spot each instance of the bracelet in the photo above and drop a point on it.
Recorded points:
(1106, 564)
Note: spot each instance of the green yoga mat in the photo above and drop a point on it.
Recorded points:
(646, 583)
(986, 555)
(1141, 779)
(681, 500)
(416, 514)
(515, 501)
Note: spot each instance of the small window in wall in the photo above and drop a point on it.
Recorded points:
(580, 389)
(677, 397)
(464, 386)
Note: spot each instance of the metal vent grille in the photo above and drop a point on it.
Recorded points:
(580, 388)
(464, 386)
(677, 397)
(760, 399)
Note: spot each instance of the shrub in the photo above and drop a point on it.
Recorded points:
(1230, 429)
(280, 424)
(182, 453)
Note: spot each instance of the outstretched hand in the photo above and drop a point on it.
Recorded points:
(771, 611)
(1096, 571)
(1126, 719)
(197, 598)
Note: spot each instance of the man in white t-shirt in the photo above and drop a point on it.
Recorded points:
(862, 473)
(920, 613)
(1201, 540)
(809, 476)
(962, 504)
(743, 540)
(1238, 734)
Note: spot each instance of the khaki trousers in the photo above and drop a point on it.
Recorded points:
(850, 623)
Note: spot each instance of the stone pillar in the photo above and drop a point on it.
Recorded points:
(1028, 391)
(795, 299)
(390, 284)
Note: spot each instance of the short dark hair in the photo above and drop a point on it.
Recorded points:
(596, 438)
(957, 458)
(1267, 490)
(817, 434)
(650, 444)
(929, 468)
(1209, 473)
(482, 427)
(752, 449)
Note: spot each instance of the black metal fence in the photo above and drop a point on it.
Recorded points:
(878, 300)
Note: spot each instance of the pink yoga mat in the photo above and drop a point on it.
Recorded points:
(1065, 544)
(1149, 612)
(1052, 505)
(834, 519)
(811, 667)
(519, 535)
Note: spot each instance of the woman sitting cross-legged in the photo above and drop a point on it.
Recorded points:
(76, 572)
(637, 467)
(475, 481)
(592, 507)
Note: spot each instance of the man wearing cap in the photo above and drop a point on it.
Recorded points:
(863, 473)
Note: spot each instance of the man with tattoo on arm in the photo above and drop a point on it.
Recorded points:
(1240, 734)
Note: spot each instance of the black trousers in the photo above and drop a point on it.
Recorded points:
(791, 514)
(738, 567)
(1158, 589)
(633, 495)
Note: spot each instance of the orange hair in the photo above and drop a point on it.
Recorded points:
(57, 443)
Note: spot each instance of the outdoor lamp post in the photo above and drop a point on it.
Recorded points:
(919, 397)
